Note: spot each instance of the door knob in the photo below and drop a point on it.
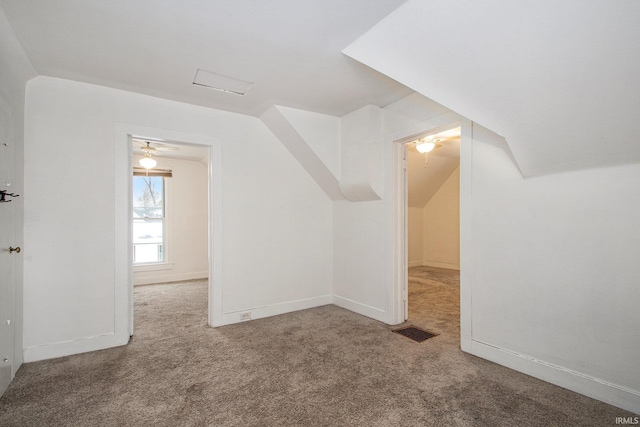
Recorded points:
(16, 249)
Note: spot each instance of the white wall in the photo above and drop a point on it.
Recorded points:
(363, 231)
(415, 233)
(321, 132)
(186, 196)
(359, 257)
(15, 71)
(555, 273)
(276, 242)
(550, 268)
(441, 226)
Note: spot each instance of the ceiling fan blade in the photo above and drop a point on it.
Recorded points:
(154, 146)
(449, 138)
(166, 148)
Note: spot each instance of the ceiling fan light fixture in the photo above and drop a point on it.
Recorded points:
(425, 146)
(148, 162)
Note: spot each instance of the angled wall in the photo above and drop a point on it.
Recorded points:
(361, 144)
(307, 135)
(341, 154)
(557, 79)
(550, 264)
(363, 231)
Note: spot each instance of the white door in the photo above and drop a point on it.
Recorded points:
(7, 257)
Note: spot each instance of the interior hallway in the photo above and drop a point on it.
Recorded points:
(324, 366)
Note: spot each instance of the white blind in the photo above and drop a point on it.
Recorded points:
(152, 172)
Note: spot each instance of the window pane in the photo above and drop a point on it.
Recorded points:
(148, 197)
(147, 240)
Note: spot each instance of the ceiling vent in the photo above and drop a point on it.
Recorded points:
(220, 82)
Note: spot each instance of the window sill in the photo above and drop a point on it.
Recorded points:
(153, 267)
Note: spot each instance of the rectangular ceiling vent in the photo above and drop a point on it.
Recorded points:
(222, 83)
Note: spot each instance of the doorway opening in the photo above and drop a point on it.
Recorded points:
(169, 237)
(432, 206)
(123, 236)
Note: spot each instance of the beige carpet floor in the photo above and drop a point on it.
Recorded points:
(320, 367)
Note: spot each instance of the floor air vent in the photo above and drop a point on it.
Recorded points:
(415, 333)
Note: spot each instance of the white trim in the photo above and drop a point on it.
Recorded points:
(466, 234)
(168, 278)
(441, 265)
(123, 313)
(214, 317)
(123, 272)
(397, 287)
(236, 316)
(397, 292)
(357, 307)
(158, 266)
(66, 348)
(587, 385)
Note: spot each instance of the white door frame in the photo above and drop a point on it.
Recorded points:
(399, 290)
(10, 342)
(123, 286)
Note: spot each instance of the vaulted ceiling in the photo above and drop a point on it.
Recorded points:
(559, 79)
(427, 172)
(289, 49)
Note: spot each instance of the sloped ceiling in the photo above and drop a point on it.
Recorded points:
(15, 67)
(425, 179)
(559, 79)
(290, 49)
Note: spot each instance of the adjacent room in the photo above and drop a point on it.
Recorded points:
(433, 231)
(170, 205)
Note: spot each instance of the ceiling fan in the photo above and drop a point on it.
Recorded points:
(157, 148)
(427, 144)
(147, 161)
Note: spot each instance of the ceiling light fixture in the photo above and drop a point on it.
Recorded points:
(148, 162)
(425, 146)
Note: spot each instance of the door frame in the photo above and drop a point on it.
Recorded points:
(123, 279)
(398, 291)
(11, 339)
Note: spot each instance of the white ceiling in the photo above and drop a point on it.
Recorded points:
(174, 150)
(290, 49)
(559, 79)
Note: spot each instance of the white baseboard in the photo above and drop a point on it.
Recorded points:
(414, 264)
(441, 265)
(356, 307)
(253, 313)
(605, 391)
(67, 348)
(167, 278)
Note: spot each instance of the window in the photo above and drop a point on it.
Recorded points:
(148, 219)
